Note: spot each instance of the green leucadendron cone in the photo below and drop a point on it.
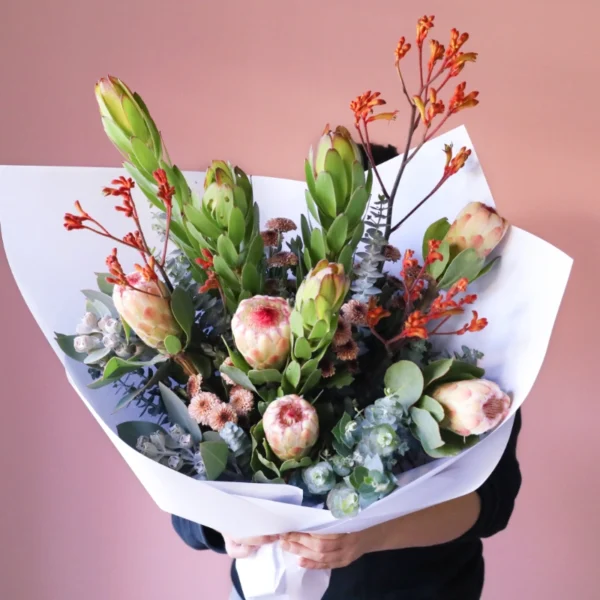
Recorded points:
(337, 197)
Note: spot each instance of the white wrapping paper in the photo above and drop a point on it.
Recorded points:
(520, 298)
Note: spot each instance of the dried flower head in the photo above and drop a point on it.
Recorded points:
(270, 238)
(194, 385)
(355, 312)
(347, 351)
(343, 333)
(228, 363)
(220, 415)
(241, 400)
(391, 253)
(202, 405)
(327, 368)
(353, 367)
(281, 225)
(283, 259)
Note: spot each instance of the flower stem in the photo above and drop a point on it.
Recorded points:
(186, 363)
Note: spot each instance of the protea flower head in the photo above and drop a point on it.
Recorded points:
(472, 407)
(261, 330)
(125, 119)
(225, 187)
(326, 285)
(477, 226)
(341, 142)
(146, 311)
(291, 427)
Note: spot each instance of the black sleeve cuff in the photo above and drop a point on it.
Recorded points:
(197, 536)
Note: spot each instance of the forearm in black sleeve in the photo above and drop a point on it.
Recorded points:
(197, 536)
(499, 492)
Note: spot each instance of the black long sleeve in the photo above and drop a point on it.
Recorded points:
(451, 571)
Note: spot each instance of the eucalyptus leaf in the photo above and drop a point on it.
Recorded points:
(130, 431)
(427, 428)
(178, 412)
(433, 406)
(103, 285)
(65, 343)
(404, 380)
(104, 299)
(214, 456)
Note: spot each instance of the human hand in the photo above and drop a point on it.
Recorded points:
(244, 547)
(327, 551)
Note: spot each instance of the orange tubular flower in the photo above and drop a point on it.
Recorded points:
(118, 276)
(433, 255)
(424, 24)
(375, 313)
(401, 50)
(457, 41)
(436, 53)
(459, 101)
(165, 191)
(362, 107)
(455, 163)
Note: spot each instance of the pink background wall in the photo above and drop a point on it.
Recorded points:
(256, 87)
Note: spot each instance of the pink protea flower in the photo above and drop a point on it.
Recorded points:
(472, 407)
(241, 400)
(201, 406)
(220, 415)
(261, 330)
(291, 427)
(147, 312)
(477, 226)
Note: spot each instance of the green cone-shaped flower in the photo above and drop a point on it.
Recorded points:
(339, 141)
(128, 124)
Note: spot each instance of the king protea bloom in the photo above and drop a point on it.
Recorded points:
(147, 312)
(472, 407)
(291, 427)
(477, 226)
(261, 330)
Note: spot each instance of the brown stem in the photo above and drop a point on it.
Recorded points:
(186, 363)
(367, 146)
(410, 100)
(416, 208)
(434, 331)
(421, 64)
(167, 231)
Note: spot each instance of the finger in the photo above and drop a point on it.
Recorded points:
(306, 563)
(239, 550)
(317, 543)
(259, 540)
(304, 552)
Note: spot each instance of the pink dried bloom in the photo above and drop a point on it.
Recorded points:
(202, 405)
(194, 385)
(241, 400)
(220, 415)
(355, 312)
(283, 259)
(391, 253)
(270, 238)
(347, 351)
(327, 368)
(281, 225)
(343, 333)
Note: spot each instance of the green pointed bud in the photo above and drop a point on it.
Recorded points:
(327, 284)
(218, 197)
(340, 141)
(128, 123)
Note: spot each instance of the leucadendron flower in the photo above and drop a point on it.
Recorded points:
(339, 141)
(319, 478)
(261, 330)
(146, 310)
(343, 501)
(472, 407)
(291, 426)
(326, 285)
(477, 226)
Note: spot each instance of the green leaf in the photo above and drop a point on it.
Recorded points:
(302, 349)
(65, 343)
(117, 367)
(453, 445)
(433, 406)
(103, 285)
(428, 430)
(356, 207)
(130, 431)
(319, 331)
(255, 250)
(358, 476)
(214, 456)
(229, 277)
(96, 356)
(260, 477)
(307, 259)
(211, 436)
(357, 235)
(236, 228)
(439, 266)
(295, 464)
(148, 188)
(310, 178)
(318, 250)
(205, 226)
(435, 370)
(341, 449)
(178, 412)
(239, 199)
(487, 268)
(466, 264)
(238, 360)
(144, 156)
(238, 376)
(267, 463)
(340, 380)
(227, 250)
(358, 175)
(436, 231)
(292, 373)
(250, 279)
(336, 236)
(338, 430)
(104, 299)
(126, 329)
(305, 229)
(325, 194)
(156, 377)
(462, 370)
(346, 257)
(172, 345)
(309, 366)
(312, 206)
(297, 323)
(183, 310)
(264, 376)
(136, 121)
(404, 381)
(334, 165)
(311, 381)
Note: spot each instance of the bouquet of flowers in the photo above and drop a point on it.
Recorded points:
(317, 373)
